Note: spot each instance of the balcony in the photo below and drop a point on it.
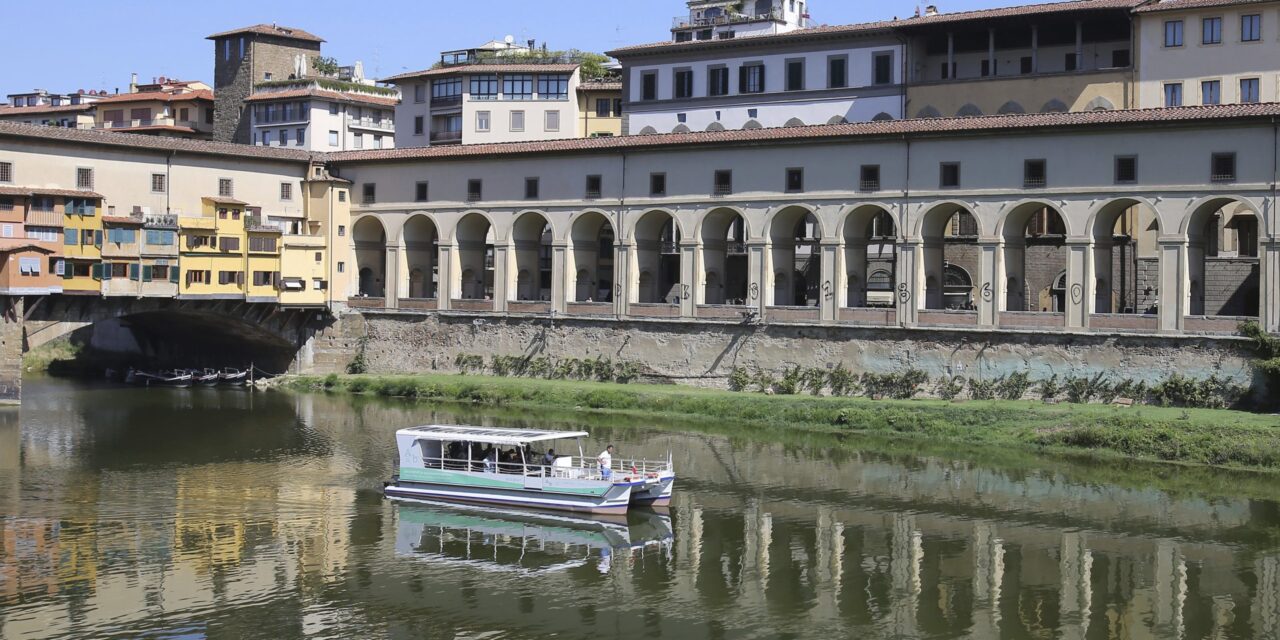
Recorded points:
(257, 223)
(446, 136)
(688, 22)
(369, 123)
(445, 102)
(141, 123)
(161, 221)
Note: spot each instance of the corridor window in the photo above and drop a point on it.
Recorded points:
(683, 84)
(1249, 90)
(1173, 94)
(517, 86)
(718, 81)
(723, 185)
(1250, 28)
(949, 175)
(1126, 169)
(649, 85)
(1173, 33)
(882, 68)
(484, 87)
(370, 191)
(657, 184)
(1211, 92)
(594, 186)
(1211, 31)
(1034, 174)
(751, 78)
(475, 189)
(795, 75)
(1223, 167)
(420, 192)
(837, 72)
(530, 188)
(226, 189)
(795, 180)
(869, 178)
(286, 191)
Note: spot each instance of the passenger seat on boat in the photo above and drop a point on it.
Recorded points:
(563, 467)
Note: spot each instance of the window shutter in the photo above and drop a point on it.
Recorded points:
(133, 271)
(97, 271)
(173, 274)
(208, 276)
(146, 273)
(239, 278)
(742, 79)
(69, 236)
(97, 238)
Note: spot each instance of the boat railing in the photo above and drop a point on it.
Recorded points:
(575, 467)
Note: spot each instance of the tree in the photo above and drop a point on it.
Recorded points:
(325, 66)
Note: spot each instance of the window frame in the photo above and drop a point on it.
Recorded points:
(286, 192)
(789, 65)
(6, 172)
(1216, 86)
(1256, 18)
(682, 90)
(649, 86)
(512, 124)
(1179, 33)
(1031, 166)
(1177, 89)
(162, 181)
(869, 184)
(843, 59)
(746, 71)
(1223, 178)
(369, 193)
(1205, 23)
(1257, 90)
(475, 190)
(422, 191)
(943, 168)
(531, 188)
(1116, 173)
(654, 179)
(594, 188)
(876, 57)
(722, 187)
(721, 89)
(793, 180)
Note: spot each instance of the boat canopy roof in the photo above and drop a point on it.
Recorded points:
(486, 435)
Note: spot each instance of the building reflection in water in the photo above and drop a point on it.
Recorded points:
(284, 537)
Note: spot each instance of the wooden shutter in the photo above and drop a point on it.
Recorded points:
(97, 271)
(133, 271)
(146, 273)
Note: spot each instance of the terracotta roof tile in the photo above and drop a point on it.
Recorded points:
(21, 192)
(925, 126)
(1173, 5)
(156, 143)
(313, 92)
(63, 108)
(65, 193)
(600, 86)
(880, 27)
(485, 68)
(161, 96)
(270, 30)
(123, 219)
(226, 200)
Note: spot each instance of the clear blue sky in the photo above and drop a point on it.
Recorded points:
(98, 44)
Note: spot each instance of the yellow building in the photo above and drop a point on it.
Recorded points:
(263, 259)
(82, 237)
(600, 109)
(213, 251)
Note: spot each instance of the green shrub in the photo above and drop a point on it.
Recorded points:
(763, 381)
(330, 381)
(789, 384)
(814, 381)
(469, 363)
(1050, 388)
(1213, 392)
(359, 364)
(739, 379)
(950, 387)
(900, 386)
(358, 385)
(982, 389)
(842, 381)
(1014, 386)
(1083, 389)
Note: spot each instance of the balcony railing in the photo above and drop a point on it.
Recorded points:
(257, 223)
(438, 102)
(685, 22)
(151, 122)
(160, 220)
(869, 185)
(369, 123)
(737, 248)
(446, 136)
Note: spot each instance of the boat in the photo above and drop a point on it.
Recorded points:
(206, 377)
(493, 466)
(176, 378)
(523, 542)
(231, 376)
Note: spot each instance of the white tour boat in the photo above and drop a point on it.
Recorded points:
(485, 465)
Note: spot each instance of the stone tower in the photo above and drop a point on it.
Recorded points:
(248, 56)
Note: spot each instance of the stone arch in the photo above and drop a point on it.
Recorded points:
(969, 110)
(1034, 234)
(942, 227)
(795, 122)
(531, 238)
(794, 234)
(1011, 107)
(838, 120)
(929, 112)
(1099, 104)
(882, 117)
(723, 234)
(369, 237)
(474, 236)
(1229, 284)
(1118, 227)
(593, 243)
(715, 126)
(657, 235)
(1054, 106)
(870, 246)
(648, 131)
(681, 128)
(752, 124)
(421, 237)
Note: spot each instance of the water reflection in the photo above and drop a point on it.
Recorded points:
(201, 513)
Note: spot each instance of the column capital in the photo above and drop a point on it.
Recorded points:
(1164, 240)
(991, 241)
(830, 242)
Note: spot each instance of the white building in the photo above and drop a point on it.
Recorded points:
(801, 77)
(1192, 52)
(723, 19)
(323, 115)
(494, 101)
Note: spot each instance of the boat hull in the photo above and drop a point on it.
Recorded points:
(654, 492)
(617, 500)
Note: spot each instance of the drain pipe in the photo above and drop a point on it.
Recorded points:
(617, 236)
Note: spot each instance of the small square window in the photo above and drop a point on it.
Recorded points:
(342, 230)
(530, 188)
(84, 179)
(1224, 167)
(657, 184)
(1034, 174)
(869, 178)
(342, 267)
(1126, 169)
(723, 185)
(474, 190)
(949, 175)
(420, 192)
(342, 195)
(158, 183)
(795, 180)
(286, 191)
(594, 184)
(370, 193)
(6, 172)
(225, 188)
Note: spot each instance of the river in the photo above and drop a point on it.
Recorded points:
(207, 513)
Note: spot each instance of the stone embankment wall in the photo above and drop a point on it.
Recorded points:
(704, 353)
(11, 311)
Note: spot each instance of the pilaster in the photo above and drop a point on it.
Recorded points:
(909, 289)
(1079, 277)
(828, 303)
(1175, 286)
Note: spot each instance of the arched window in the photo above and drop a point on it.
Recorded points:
(957, 290)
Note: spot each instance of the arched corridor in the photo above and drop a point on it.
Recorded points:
(950, 234)
(796, 260)
(657, 241)
(724, 258)
(592, 258)
(370, 240)
(422, 255)
(1222, 259)
(475, 242)
(1034, 255)
(1126, 267)
(870, 257)
(531, 243)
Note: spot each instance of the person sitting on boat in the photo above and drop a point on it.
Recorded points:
(549, 458)
(605, 460)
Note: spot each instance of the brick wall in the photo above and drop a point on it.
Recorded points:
(1231, 286)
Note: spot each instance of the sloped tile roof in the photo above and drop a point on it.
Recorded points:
(62, 108)
(853, 130)
(1173, 5)
(270, 30)
(161, 96)
(600, 86)
(485, 68)
(314, 92)
(156, 143)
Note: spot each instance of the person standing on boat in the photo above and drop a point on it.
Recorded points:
(605, 460)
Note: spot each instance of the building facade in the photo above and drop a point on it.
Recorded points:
(250, 55)
(179, 110)
(599, 109)
(323, 115)
(725, 19)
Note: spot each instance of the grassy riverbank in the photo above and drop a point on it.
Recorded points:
(1199, 436)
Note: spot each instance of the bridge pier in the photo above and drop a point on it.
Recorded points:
(11, 308)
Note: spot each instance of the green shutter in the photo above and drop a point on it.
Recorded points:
(70, 237)
(146, 273)
(173, 273)
(106, 270)
(97, 271)
(97, 237)
(133, 271)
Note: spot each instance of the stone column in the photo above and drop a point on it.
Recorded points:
(447, 274)
(504, 289)
(908, 291)
(1175, 292)
(559, 277)
(1079, 278)
(689, 275)
(402, 274)
(11, 319)
(757, 275)
(951, 57)
(623, 287)
(1269, 295)
(1101, 300)
(828, 294)
(394, 255)
(1035, 49)
(989, 283)
(853, 266)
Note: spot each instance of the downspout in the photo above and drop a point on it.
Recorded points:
(168, 180)
(902, 216)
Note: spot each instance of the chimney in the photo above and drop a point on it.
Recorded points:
(133, 83)
(931, 10)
